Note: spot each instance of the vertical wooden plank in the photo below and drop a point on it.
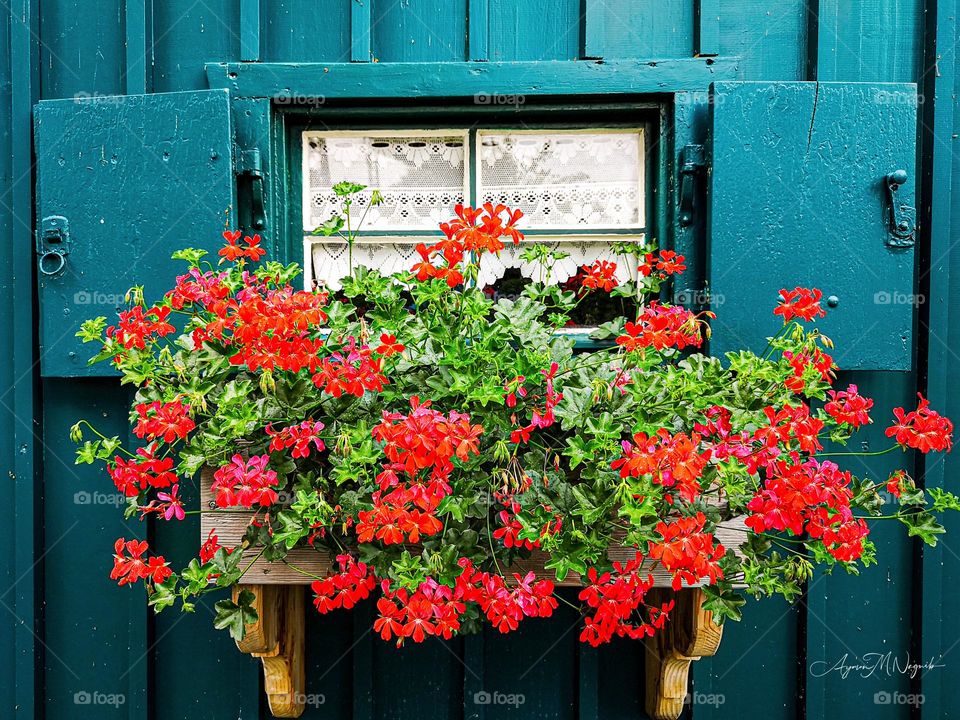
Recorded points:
(10, 303)
(870, 40)
(535, 29)
(479, 28)
(594, 29)
(707, 35)
(421, 31)
(136, 70)
(82, 50)
(618, 29)
(473, 677)
(186, 35)
(360, 43)
(813, 40)
(362, 655)
(588, 698)
(769, 38)
(23, 601)
(249, 29)
(852, 619)
(938, 618)
(305, 31)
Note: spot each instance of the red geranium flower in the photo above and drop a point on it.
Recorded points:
(803, 303)
(849, 407)
(922, 429)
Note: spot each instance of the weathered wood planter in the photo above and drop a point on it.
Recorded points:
(277, 638)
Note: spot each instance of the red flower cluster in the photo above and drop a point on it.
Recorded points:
(345, 589)
(660, 327)
(818, 367)
(922, 429)
(271, 327)
(688, 552)
(811, 497)
(167, 421)
(299, 437)
(135, 326)
(421, 445)
(245, 483)
(352, 371)
(133, 566)
(231, 252)
(897, 482)
(198, 287)
(670, 460)
(802, 303)
(664, 263)
(210, 547)
(475, 230)
(615, 598)
(539, 419)
(510, 529)
(135, 476)
(435, 610)
(600, 275)
(849, 407)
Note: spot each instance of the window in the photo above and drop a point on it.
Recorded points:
(580, 190)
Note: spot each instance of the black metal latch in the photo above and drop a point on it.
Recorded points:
(53, 244)
(900, 225)
(250, 189)
(692, 163)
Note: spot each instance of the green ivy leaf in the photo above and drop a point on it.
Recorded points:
(235, 616)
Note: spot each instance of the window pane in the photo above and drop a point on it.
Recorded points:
(565, 180)
(421, 176)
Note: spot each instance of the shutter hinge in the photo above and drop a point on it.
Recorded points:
(250, 189)
(901, 229)
(692, 164)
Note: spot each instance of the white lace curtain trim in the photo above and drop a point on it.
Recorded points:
(331, 261)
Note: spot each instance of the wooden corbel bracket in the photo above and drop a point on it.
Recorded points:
(689, 634)
(277, 638)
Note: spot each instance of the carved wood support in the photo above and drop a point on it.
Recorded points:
(277, 638)
(689, 634)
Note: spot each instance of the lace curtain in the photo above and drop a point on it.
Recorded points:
(420, 177)
(570, 181)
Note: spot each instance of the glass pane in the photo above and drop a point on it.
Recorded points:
(421, 177)
(595, 306)
(565, 180)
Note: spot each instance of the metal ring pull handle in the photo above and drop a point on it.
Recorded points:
(46, 268)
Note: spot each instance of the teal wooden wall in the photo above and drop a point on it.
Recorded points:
(92, 637)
